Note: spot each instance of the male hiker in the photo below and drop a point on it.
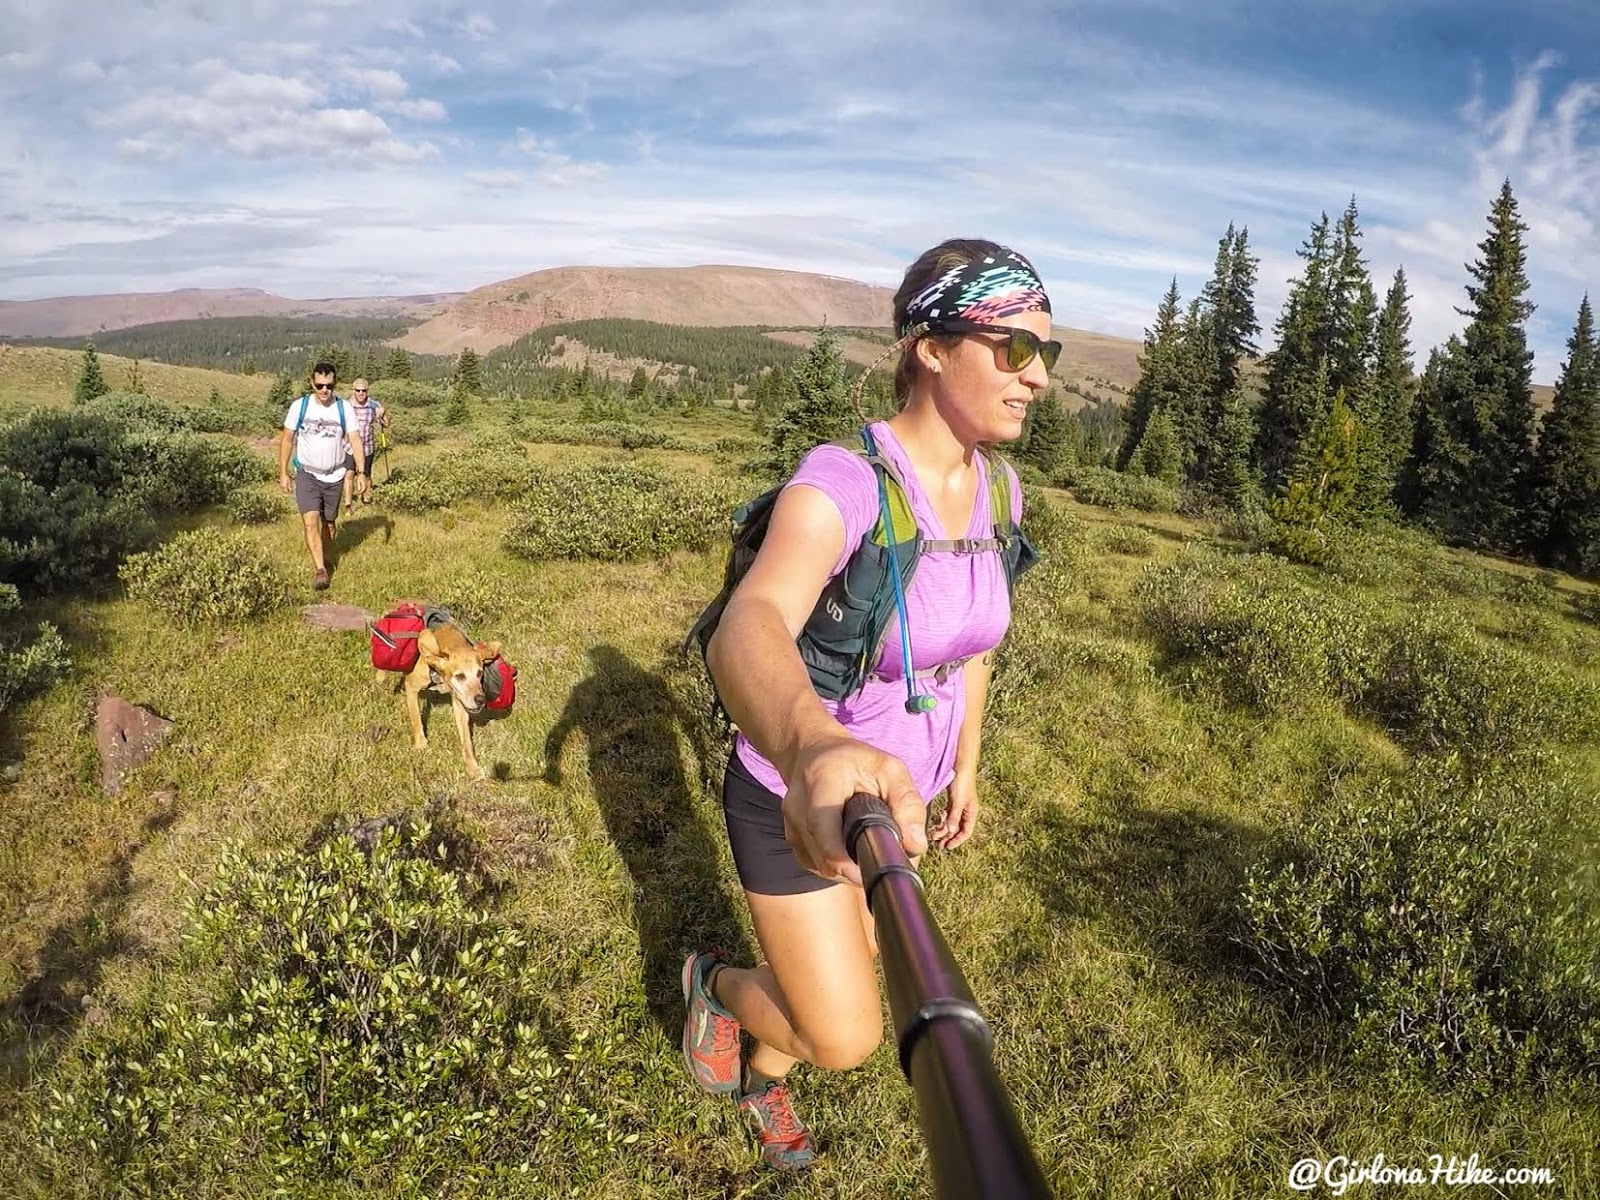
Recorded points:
(318, 431)
(369, 416)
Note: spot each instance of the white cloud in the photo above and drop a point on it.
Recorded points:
(478, 26)
(421, 110)
(443, 63)
(494, 180)
(381, 85)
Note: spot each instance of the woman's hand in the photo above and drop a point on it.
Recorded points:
(821, 779)
(960, 815)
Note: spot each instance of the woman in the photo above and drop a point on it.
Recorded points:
(972, 317)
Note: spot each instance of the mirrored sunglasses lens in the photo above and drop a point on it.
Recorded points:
(1020, 349)
(1051, 352)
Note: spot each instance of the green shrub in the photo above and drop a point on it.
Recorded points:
(1442, 686)
(1255, 632)
(618, 512)
(257, 505)
(1052, 528)
(27, 668)
(617, 434)
(187, 471)
(349, 1017)
(1587, 606)
(1114, 490)
(138, 409)
(406, 430)
(69, 537)
(205, 576)
(1442, 922)
(1128, 539)
(476, 597)
(56, 448)
(407, 393)
(501, 472)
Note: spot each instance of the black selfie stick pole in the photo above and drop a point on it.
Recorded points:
(946, 1048)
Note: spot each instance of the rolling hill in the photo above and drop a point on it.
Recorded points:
(68, 316)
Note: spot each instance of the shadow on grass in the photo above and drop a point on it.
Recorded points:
(1171, 879)
(353, 531)
(630, 720)
(72, 960)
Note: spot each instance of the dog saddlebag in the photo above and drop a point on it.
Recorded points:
(499, 685)
(394, 637)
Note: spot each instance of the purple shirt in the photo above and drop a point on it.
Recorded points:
(958, 607)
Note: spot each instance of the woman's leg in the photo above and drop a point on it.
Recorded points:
(816, 995)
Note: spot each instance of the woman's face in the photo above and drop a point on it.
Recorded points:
(979, 395)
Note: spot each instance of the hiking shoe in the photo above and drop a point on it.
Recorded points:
(783, 1137)
(710, 1034)
(319, 578)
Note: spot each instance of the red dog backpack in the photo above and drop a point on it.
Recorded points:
(394, 637)
(499, 685)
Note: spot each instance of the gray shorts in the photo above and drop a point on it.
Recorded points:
(312, 495)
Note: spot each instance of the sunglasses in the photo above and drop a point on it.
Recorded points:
(359, 391)
(1020, 344)
(322, 387)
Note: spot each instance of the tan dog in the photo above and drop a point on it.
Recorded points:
(447, 662)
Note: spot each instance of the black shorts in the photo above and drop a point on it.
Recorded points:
(755, 831)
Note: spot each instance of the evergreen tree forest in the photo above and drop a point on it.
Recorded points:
(1331, 428)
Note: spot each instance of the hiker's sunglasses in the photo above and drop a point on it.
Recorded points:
(322, 387)
(1020, 344)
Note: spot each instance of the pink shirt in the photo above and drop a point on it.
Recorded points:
(958, 607)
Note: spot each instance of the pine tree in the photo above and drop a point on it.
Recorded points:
(1566, 482)
(455, 411)
(1159, 454)
(1484, 407)
(1322, 485)
(639, 388)
(1434, 481)
(135, 379)
(1047, 439)
(1194, 389)
(248, 366)
(820, 411)
(282, 392)
(1160, 369)
(469, 372)
(1229, 474)
(91, 383)
(1294, 399)
(369, 366)
(1393, 393)
(1229, 300)
(215, 399)
(398, 366)
(1352, 313)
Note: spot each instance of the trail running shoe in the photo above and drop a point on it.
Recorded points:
(784, 1139)
(710, 1034)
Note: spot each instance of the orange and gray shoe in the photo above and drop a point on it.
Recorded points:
(784, 1140)
(710, 1032)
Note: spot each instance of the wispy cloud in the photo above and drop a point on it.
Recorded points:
(1113, 142)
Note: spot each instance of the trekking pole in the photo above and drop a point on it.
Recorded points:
(946, 1047)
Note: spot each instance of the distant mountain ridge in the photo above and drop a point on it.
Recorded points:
(71, 316)
(500, 313)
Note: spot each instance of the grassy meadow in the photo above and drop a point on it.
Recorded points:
(1126, 793)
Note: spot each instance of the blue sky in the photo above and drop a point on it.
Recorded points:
(334, 147)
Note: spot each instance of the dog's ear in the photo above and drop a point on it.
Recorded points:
(487, 651)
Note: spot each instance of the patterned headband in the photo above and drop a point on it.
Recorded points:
(984, 290)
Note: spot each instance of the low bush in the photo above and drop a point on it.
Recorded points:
(1129, 540)
(1052, 528)
(1587, 606)
(407, 393)
(1113, 489)
(186, 471)
(1442, 686)
(498, 471)
(1255, 632)
(64, 538)
(618, 512)
(349, 1017)
(27, 667)
(257, 505)
(205, 576)
(1443, 922)
(406, 430)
